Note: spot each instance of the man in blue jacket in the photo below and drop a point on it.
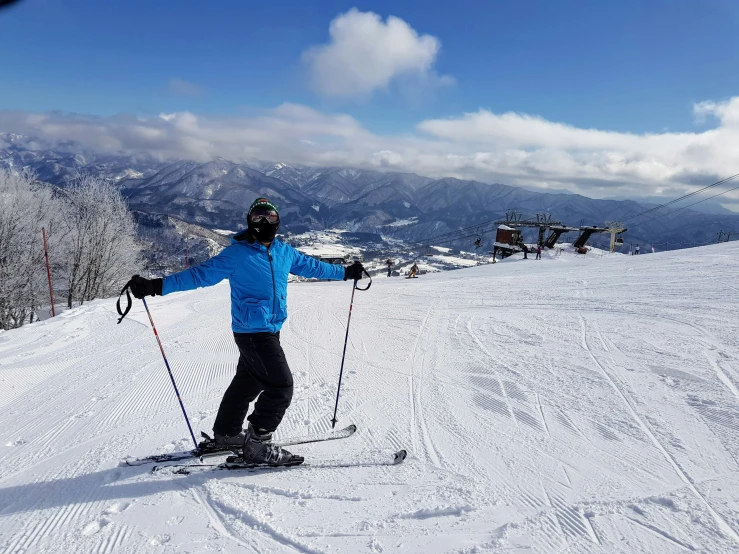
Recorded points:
(257, 266)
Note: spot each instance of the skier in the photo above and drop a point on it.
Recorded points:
(389, 263)
(636, 250)
(414, 270)
(257, 266)
(538, 251)
(525, 252)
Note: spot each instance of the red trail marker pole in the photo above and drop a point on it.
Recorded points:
(48, 272)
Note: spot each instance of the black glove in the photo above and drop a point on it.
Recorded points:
(141, 287)
(353, 271)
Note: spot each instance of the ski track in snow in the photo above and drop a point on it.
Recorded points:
(573, 405)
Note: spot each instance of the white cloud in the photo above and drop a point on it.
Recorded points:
(510, 148)
(386, 158)
(180, 87)
(727, 112)
(365, 54)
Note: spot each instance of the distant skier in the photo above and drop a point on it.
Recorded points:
(257, 266)
(414, 270)
(636, 250)
(538, 251)
(389, 263)
(525, 252)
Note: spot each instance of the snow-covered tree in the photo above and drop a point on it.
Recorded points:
(25, 207)
(93, 247)
(100, 248)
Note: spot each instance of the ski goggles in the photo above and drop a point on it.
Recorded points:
(267, 214)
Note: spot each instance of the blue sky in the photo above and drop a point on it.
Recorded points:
(628, 67)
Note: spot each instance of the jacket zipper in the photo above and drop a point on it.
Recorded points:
(274, 286)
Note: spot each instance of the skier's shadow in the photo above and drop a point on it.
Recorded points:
(121, 482)
(117, 483)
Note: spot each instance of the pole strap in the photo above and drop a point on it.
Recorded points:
(368, 284)
(118, 303)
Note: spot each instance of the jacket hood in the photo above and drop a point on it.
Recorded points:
(242, 236)
(245, 236)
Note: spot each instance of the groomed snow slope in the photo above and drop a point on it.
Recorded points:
(578, 405)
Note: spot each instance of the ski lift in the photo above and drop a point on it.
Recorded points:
(619, 241)
(478, 240)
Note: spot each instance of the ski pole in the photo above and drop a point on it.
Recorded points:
(346, 339)
(161, 348)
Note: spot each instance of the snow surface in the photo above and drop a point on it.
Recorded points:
(585, 406)
(454, 260)
(327, 243)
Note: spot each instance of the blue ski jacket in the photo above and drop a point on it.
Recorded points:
(258, 278)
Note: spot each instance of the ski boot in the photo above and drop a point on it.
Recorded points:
(259, 450)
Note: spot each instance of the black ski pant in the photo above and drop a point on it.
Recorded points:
(262, 368)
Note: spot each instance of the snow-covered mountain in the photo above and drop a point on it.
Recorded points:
(585, 404)
(217, 193)
(61, 162)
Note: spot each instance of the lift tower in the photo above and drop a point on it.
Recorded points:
(615, 228)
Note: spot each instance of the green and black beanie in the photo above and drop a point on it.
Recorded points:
(263, 203)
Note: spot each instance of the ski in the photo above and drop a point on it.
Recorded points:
(344, 433)
(234, 463)
(207, 448)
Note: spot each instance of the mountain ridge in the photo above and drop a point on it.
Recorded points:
(217, 194)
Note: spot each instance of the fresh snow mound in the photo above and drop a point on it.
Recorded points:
(590, 406)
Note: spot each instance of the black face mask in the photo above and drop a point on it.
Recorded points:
(264, 231)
